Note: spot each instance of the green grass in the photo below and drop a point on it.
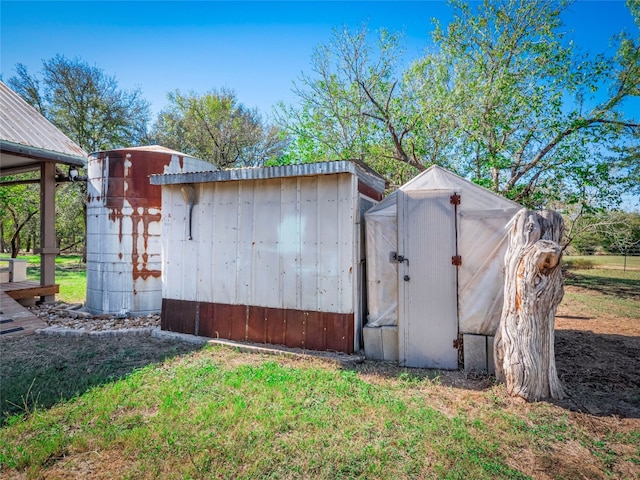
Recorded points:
(37, 376)
(610, 261)
(607, 290)
(71, 275)
(217, 414)
(606, 305)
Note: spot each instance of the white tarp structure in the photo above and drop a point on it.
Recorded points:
(475, 230)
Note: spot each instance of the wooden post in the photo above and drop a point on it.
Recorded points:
(48, 247)
(524, 343)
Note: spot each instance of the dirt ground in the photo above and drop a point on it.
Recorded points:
(598, 360)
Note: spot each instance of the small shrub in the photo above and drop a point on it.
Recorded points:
(579, 264)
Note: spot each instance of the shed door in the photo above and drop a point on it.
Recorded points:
(427, 280)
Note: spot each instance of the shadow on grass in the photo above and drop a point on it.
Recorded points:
(600, 373)
(38, 371)
(616, 287)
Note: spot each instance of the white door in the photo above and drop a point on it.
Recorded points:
(427, 280)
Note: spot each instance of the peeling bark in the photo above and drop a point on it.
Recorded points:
(524, 342)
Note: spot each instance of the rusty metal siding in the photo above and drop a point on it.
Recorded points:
(276, 325)
(287, 244)
(309, 330)
(179, 317)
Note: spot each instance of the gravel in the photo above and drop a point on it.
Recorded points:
(76, 317)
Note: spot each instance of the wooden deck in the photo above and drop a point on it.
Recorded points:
(16, 320)
(28, 289)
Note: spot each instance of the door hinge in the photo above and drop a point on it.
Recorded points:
(456, 260)
(454, 199)
(457, 343)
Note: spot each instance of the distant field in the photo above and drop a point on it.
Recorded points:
(606, 261)
(603, 284)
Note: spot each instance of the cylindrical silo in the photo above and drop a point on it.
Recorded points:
(124, 227)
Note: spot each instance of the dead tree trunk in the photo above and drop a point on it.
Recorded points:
(524, 342)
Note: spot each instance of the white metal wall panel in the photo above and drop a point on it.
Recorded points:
(189, 250)
(203, 230)
(282, 243)
(329, 284)
(173, 236)
(348, 240)
(244, 240)
(265, 251)
(225, 219)
(289, 234)
(428, 322)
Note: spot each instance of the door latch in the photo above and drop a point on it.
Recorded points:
(394, 257)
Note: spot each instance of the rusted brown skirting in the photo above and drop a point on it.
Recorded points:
(293, 328)
(370, 192)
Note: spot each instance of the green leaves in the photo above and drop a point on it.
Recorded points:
(505, 98)
(85, 103)
(219, 129)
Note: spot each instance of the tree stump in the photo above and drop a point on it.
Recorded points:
(524, 342)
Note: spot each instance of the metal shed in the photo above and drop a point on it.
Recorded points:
(275, 254)
(435, 250)
(123, 227)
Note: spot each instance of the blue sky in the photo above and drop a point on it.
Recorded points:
(255, 48)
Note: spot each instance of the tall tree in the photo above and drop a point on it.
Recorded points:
(504, 98)
(90, 108)
(539, 120)
(18, 208)
(217, 128)
(356, 104)
(85, 103)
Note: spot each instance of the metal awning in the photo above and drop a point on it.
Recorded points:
(29, 142)
(27, 139)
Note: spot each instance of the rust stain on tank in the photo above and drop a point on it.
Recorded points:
(140, 259)
(127, 188)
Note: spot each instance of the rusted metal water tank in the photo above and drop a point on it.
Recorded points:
(124, 226)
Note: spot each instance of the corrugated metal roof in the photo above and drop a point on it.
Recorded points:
(359, 169)
(26, 133)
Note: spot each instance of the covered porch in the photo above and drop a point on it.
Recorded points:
(30, 143)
